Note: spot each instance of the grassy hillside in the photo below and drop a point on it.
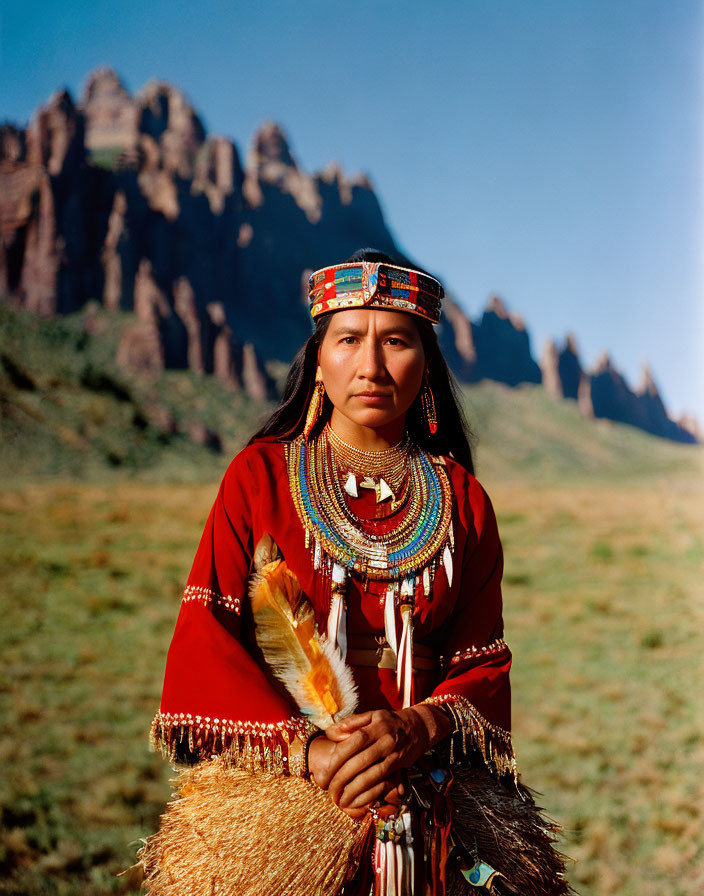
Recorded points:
(67, 410)
(523, 433)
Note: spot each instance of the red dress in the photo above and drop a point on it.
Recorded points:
(218, 690)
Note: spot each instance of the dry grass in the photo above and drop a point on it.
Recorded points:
(605, 615)
(93, 577)
(603, 611)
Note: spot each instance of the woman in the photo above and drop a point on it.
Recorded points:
(363, 478)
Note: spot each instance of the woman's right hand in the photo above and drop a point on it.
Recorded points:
(373, 748)
(322, 762)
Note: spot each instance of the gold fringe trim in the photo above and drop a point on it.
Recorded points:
(492, 741)
(471, 653)
(206, 596)
(230, 832)
(277, 748)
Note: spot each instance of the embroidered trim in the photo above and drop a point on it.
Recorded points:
(492, 741)
(371, 284)
(274, 747)
(206, 596)
(471, 653)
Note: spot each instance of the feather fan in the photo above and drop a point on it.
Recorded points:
(509, 832)
(311, 668)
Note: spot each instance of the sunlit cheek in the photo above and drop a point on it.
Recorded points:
(341, 363)
(409, 376)
(338, 370)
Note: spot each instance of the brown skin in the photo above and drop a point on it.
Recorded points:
(372, 364)
(359, 761)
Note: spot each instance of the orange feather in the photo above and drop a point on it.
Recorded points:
(307, 664)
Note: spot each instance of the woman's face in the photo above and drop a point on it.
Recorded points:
(372, 364)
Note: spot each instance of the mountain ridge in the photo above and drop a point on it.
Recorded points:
(127, 200)
(68, 410)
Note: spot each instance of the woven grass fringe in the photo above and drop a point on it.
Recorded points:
(239, 834)
(501, 818)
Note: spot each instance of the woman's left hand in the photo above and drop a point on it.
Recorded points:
(372, 747)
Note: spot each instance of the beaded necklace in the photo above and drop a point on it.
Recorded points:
(406, 557)
(335, 535)
(389, 466)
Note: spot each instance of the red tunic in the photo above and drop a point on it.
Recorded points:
(216, 687)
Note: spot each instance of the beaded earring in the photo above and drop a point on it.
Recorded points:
(427, 403)
(315, 408)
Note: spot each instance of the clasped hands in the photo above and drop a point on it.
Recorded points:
(359, 760)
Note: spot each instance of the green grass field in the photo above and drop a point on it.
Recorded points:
(603, 529)
(603, 612)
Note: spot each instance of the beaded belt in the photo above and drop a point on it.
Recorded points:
(368, 650)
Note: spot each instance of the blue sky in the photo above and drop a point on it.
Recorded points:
(550, 152)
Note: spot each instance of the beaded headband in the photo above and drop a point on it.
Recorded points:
(364, 284)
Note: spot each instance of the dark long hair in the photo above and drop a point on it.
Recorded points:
(452, 437)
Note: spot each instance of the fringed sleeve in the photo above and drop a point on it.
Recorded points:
(476, 659)
(217, 697)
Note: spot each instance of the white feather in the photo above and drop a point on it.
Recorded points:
(399, 869)
(409, 857)
(317, 555)
(337, 623)
(390, 619)
(390, 868)
(404, 665)
(447, 563)
(382, 869)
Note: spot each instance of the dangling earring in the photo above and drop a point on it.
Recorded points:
(315, 408)
(427, 403)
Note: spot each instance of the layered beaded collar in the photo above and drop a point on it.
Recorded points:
(406, 556)
(336, 536)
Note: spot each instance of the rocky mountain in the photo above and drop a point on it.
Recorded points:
(603, 392)
(497, 347)
(127, 200)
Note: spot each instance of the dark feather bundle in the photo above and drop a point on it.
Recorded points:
(501, 821)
